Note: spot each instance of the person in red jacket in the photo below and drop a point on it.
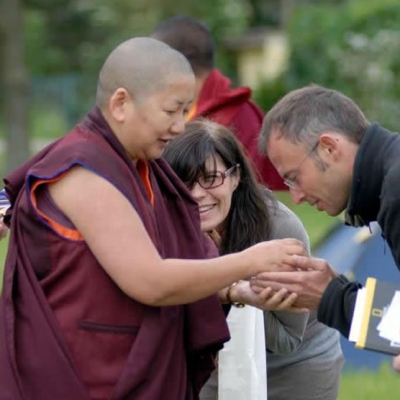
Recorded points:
(215, 98)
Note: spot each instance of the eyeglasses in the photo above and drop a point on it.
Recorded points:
(214, 179)
(291, 182)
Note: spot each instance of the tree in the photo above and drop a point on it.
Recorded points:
(354, 48)
(15, 83)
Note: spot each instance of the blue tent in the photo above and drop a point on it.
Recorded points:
(360, 253)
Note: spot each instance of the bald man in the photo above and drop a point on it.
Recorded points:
(108, 290)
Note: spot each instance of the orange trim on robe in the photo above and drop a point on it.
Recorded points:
(74, 234)
(68, 233)
(192, 112)
(144, 172)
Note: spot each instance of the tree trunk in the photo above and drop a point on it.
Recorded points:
(15, 83)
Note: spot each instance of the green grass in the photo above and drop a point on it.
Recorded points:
(3, 253)
(316, 223)
(366, 385)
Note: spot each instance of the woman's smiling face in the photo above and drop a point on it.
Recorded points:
(215, 202)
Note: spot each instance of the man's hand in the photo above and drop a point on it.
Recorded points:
(308, 282)
(396, 363)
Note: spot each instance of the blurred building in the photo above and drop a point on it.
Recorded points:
(261, 54)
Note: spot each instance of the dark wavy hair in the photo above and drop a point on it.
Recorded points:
(248, 220)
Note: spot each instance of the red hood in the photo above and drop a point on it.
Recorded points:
(217, 94)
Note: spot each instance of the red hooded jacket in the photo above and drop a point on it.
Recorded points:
(233, 108)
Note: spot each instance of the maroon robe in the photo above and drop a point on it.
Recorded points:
(234, 109)
(66, 330)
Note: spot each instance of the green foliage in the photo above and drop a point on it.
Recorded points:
(67, 36)
(72, 37)
(268, 92)
(354, 48)
(57, 37)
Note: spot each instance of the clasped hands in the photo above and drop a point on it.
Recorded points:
(292, 276)
(284, 277)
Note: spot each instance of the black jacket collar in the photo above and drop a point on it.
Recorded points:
(370, 167)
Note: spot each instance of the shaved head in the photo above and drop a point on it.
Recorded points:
(192, 38)
(142, 66)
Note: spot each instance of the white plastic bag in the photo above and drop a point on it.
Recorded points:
(242, 367)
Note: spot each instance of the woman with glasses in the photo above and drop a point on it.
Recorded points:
(304, 357)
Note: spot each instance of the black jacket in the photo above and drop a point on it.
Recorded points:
(375, 196)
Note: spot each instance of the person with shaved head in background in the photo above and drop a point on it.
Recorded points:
(215, 98)
(108, 276)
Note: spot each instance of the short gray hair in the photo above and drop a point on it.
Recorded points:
(304, 114)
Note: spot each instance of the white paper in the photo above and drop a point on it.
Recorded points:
(389, 327)
(242, 367)
(356, 322)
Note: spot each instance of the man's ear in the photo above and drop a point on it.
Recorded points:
(117, 104)
(330, 145)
